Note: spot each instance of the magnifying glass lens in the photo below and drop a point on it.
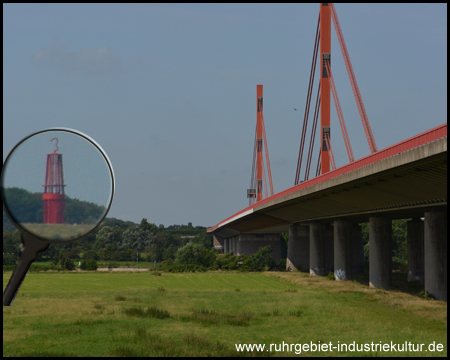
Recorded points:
(57, 185)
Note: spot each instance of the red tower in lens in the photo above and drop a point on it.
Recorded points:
(53, 195)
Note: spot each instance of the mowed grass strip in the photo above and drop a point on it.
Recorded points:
(88, 281)
(120, 314)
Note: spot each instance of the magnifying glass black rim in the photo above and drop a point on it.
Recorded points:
(86, 137)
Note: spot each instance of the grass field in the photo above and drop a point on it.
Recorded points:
(142, 314)
(104, 264)
(59, 232)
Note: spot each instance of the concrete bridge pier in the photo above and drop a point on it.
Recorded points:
(415, 249)
(436, 254)
(249, 244)
(321, 249)
(225, 246)
(298, 248)
(357, 249)
(343, 254)
(380, 252)
(219, 242)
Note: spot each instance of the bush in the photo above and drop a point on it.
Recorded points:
(230, 262)
(195, 254)
(91, 254)
(67, 264)
(89, 264)
(427, 295)
(9, 259)
(179, 268)
(330, 276)
(164, 264)
(260, 261)
(399, 264)
(281, 265)
(39, 268)
(8, 267)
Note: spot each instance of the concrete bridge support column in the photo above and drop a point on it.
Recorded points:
(298, 248)
(343, 257)
(321, 249)
(234, 240)
(380, 252)
(436, 254)
(415, 249)
(218, 242)
(329, 249)
(357, 249)
(251, 243)
(292, 251)
(239, 244)
(225, 245)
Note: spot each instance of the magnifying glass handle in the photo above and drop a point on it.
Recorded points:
(31, 248)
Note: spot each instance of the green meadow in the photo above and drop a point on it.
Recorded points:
(206, 314)
(59, 232)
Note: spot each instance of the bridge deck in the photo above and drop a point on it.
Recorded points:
(400, 181)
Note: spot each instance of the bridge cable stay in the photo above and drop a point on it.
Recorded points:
(264, 180)
(313, 134)
(266, 148)
(318, 166)
(328, 141)
(253, 179)
(348, 146)
(308, 102)
(351, 75)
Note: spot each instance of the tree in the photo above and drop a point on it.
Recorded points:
(261, 260)
(98, 244)
(109, 235)
(399, 239)
(11, 241)
(90, 254)
(101, 254)
(145, 225)
(136, 239)
(170, 253)
(82, 212)
(10, 259)
(67, 264)
(195, 254)
(109, 250)
(89, 264)
(74, 253)
(117, 256)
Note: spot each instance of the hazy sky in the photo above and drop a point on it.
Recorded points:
(169, 91)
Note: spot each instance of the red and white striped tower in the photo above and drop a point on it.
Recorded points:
(53, 196)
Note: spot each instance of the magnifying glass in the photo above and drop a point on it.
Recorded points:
(39, 202)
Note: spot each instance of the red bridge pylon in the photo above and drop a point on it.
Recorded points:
(326, 83)
(258, 182)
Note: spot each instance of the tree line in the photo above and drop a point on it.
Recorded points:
(27, 207)
(115, 240)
